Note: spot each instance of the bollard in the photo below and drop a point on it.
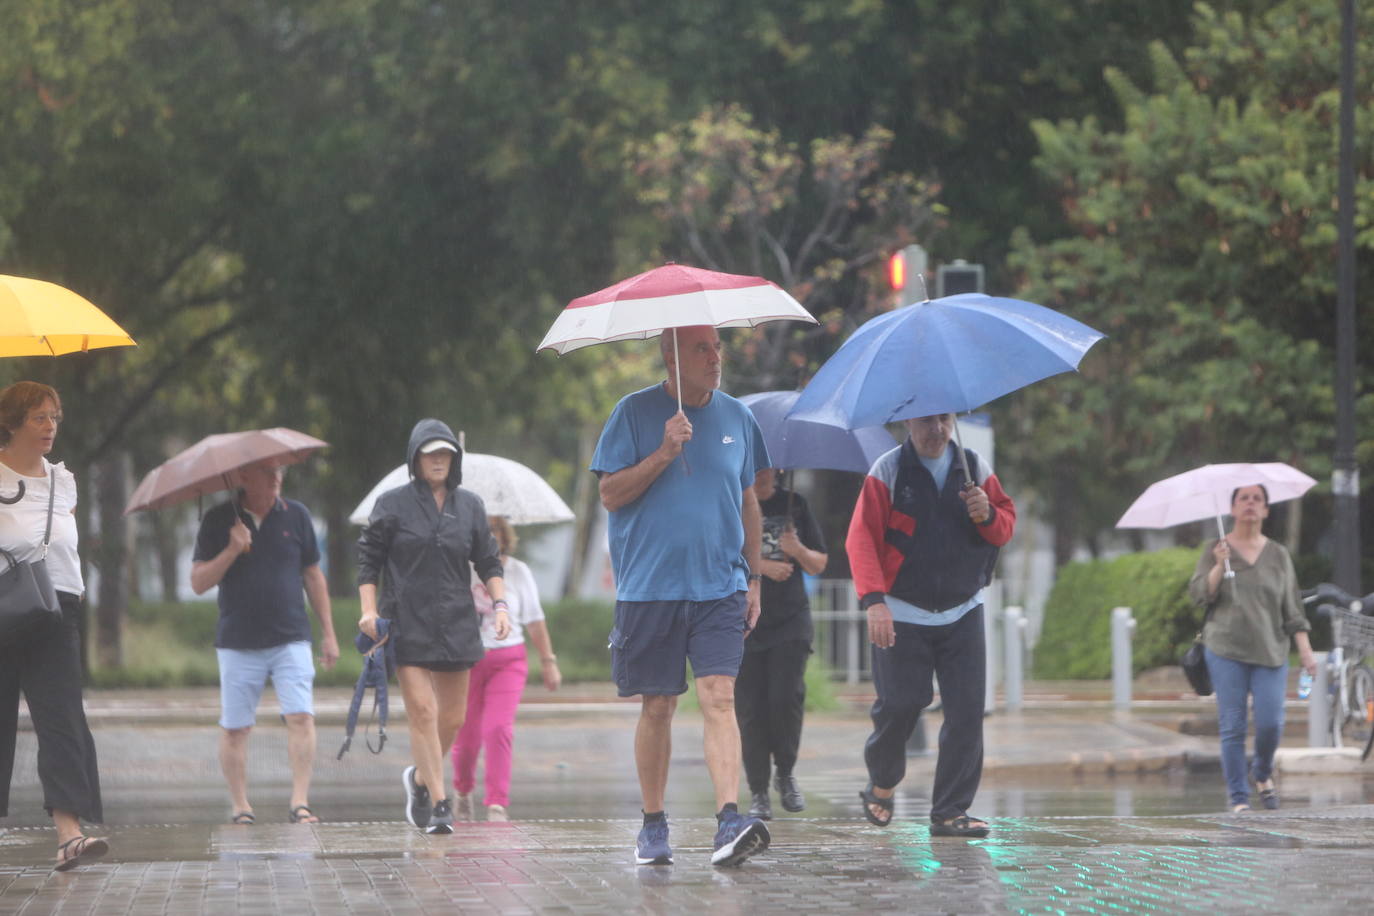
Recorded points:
(1319, 706)
(992, 612)
(1013, 638)
(1123, 628)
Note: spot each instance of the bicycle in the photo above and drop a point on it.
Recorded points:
(1350, 679)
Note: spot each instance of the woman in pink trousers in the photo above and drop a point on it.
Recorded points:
(498, 680)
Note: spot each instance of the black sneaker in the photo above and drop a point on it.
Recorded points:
(760, 806)
(441, 818)
(417, 800)
(790, 793)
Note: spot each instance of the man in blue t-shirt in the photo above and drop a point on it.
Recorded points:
(685, 532)
(261, 551)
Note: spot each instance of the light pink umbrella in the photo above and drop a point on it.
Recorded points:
(209, 465)
(1205, 492)
(669, 297)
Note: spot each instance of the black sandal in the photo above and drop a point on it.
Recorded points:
(87, 848)
(298, 818)
(243, 818)
(869, 798)
(963, 826)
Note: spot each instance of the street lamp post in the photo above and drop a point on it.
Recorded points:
(1345, 472)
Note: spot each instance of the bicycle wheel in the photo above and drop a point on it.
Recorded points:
(1359, 712)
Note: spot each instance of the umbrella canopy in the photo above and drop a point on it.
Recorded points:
(671, 296)
(941, 356)
(1205, 492)
(507, 488)
(208, 466)
(802, 444)
(38, 318)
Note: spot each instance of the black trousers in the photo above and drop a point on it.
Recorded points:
(770, 696)
(957, 656)
(46, 666)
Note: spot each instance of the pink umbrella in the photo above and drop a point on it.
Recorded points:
(209, 465)
(1205, 492)
(669, 297)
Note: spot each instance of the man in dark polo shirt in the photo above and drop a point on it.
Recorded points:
(262, 557)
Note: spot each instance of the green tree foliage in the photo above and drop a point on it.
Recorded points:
(1202, 244)
(1076, 638)
(739, 198)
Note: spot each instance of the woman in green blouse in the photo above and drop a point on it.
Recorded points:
(1252, 617)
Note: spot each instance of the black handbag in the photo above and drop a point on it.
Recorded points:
(27, 599)
(1194, 663)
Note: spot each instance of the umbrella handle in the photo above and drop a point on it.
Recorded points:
(1221, 534)
(677, 379)
(963, 463)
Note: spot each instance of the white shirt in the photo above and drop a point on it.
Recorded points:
(22, 523)
(522, 596)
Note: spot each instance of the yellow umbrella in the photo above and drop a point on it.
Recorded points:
(38, 318)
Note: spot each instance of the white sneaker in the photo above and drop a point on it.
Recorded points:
(497, 813)
(463, 810)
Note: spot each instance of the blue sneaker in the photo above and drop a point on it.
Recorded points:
(652, 847)
(738, 838)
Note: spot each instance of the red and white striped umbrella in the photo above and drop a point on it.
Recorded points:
(669, 297)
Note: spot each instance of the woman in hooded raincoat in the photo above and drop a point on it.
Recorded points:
(418, 544)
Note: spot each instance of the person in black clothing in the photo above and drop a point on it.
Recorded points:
(423, 543)
(770, 692)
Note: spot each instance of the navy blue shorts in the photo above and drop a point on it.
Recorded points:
(652, 641)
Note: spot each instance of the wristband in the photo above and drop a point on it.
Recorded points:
(500, 605)
(756, 577)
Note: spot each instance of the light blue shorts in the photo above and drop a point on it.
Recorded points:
(243, 673)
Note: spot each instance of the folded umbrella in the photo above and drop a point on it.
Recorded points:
(378, 659)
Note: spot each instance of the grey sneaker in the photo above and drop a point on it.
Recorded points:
(417, 800)
(760, 806)
(441, 818)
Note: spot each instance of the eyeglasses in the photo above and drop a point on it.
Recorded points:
(43, 419)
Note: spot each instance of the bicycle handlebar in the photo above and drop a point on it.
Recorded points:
(1328, 593)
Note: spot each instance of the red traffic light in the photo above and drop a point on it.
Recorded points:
(896, 271)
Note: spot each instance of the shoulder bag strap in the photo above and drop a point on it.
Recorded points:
(52, 495)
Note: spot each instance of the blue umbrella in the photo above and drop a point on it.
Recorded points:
(376, 655)
(944, 355)
(803, 444)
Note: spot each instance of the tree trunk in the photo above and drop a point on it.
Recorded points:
(1292, 533)
(165, 524)
(339, 546)
(1065, 511)
(111, 479)
(584, 508)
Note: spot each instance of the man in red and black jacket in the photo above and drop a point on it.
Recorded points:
(922, 545)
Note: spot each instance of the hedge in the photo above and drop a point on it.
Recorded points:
(1075, 639)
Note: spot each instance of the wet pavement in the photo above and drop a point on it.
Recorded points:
(1093, 811)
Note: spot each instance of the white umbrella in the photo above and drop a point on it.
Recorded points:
(1205, 492)
(507, 488)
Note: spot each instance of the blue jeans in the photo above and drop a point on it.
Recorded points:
(1234, 683)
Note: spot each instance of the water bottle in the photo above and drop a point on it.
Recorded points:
(1304, 685)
